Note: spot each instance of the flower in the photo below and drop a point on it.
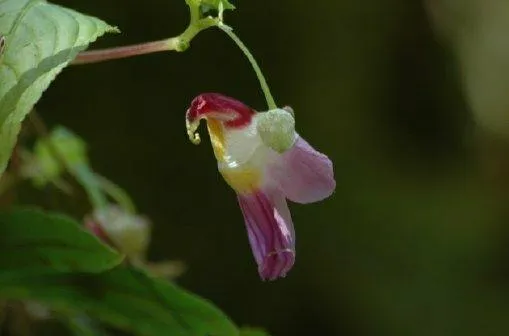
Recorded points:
(266, 162)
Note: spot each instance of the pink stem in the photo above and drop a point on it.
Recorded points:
(101, 55)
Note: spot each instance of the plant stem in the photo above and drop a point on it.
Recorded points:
(194, 11)
(116, 193)
(88, 181)
(178, 43)
(101, 55)
(259, 74)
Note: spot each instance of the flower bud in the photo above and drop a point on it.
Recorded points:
(130, 234)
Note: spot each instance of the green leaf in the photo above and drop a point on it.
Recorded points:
(252, 332)
(81, 325)
(40, 40)
(123, 297)
(33, 239)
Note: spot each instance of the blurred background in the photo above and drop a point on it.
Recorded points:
(410, 99)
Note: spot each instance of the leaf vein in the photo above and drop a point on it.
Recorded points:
(78, 25)
(53, 24)
(11, 67)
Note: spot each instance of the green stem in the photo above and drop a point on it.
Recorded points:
(263, 83)
(117, 193)
(194, 11)
(87, 179)
(196, 27)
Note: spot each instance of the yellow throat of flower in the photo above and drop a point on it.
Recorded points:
(243, 179)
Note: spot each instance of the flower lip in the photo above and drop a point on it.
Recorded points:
(233, 113)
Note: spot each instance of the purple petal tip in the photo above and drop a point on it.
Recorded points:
(276, 265)
(270, 231)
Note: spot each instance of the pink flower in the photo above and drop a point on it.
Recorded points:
(266, 162)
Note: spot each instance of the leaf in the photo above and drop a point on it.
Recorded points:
(34, 239)
(40, 40)
(252, 332)
(123, 297)
(82, 326)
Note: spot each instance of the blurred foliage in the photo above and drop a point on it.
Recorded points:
(42, 38)
(31, 239)
(125, 298)
(252, 332)
(49, 259)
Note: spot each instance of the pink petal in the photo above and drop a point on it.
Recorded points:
(303, 174)
(270, 231)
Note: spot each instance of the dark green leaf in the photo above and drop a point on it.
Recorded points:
(32, 238)
(252, 332)
(39, 41)
(123, 297)
(81, 325)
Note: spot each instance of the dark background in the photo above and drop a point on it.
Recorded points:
(415, 241)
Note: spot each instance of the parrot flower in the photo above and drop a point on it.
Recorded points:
(265, 162)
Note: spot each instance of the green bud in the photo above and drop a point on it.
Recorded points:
(277, 129)
(130, 234)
